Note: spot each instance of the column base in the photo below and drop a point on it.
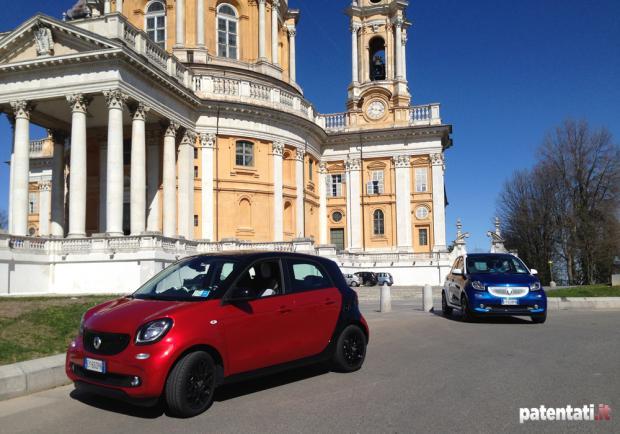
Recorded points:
(114, 234)
(76, 235)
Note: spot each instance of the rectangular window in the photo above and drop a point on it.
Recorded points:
(310, 169)
(375, 185)
(33, 203)
(245, 154)
(195, 171)
(195, 221)
(336, 186)
(195, 153)
(307, 276)
(421, 180)
(423, 236)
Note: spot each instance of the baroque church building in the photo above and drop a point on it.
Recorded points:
(177, 127)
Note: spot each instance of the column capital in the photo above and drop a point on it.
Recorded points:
(189, 138)
(21, 109)
(437, 159)
(323, 168)
(207, 140)
(45, 186)
(355, 26)
(300, 154)
(275, 4)
(139, 111)
(402, 161)
(278, 148)
(115, 99)
(171, 129)
(292, 31)
(353, 164)
(79, 102)
(260, 2)
(397, 21)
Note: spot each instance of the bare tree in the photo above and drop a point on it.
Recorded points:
(566, 209)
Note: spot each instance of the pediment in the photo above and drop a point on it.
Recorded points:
(376, 165)
(336, 167)
(44, 37)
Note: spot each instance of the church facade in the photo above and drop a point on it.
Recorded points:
(183, 121)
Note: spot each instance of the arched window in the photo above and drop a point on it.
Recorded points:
(245, 214)
(227, 31)
(376, 48)
(155, 19)
(378, 222)
(288, 218)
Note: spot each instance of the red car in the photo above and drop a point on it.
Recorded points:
(211, 319)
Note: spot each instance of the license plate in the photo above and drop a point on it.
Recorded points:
(94, 365)
(510, 302)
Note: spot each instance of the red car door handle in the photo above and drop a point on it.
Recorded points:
(284, 309)
(329, 302)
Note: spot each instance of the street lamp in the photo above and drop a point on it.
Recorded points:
(551, 282)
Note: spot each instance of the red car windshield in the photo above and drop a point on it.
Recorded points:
(195, 279)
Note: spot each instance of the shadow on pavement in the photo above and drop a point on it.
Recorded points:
(117, 406)
(230, 391)
(456, 316)
(222, 393)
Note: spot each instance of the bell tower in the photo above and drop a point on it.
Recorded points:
(378, 93)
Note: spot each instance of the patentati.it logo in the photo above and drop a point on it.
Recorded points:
(569, 413)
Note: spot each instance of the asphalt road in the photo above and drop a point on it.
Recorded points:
(423, 373)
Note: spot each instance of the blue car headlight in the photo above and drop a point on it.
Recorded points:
(478, 286)
(535, 286)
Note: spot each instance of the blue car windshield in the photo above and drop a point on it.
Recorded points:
(492, 264)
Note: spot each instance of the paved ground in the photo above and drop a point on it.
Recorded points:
(423, 373)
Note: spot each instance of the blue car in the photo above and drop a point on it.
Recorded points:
(493, 284)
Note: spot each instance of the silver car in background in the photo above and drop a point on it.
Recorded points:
(385, 278)
(352, 280)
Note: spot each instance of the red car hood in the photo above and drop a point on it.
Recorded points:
(125, 315)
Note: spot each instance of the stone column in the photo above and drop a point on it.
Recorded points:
(403, 55)
(402, 164)
(439, 203)
(77, 166)
(200, 23)
(119, 6)
(21, 167)
(208, 145)
(398, 50)
(11, 119)
(186, 185)
(170, 181)
(107, 7)
(115, 186)
(153, 219)
(138, 170)
(354, 203)
(103, 184)
(180, 22)
(323, 203)
(261, 30)
(291, 53)
(299, 184)
(45, 203)
(278, 207)
(58, 187)
(275, 5)
(354, 53)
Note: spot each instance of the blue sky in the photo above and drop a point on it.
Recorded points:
(505, 72)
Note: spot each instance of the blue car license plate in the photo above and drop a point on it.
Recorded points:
(510, 302)
(94, 365)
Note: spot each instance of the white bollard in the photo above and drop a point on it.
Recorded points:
(386, 298)
(427, 299)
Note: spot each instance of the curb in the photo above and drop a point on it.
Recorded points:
(31, 376)
(583, 303)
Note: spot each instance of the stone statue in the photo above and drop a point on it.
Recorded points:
(44, 40)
